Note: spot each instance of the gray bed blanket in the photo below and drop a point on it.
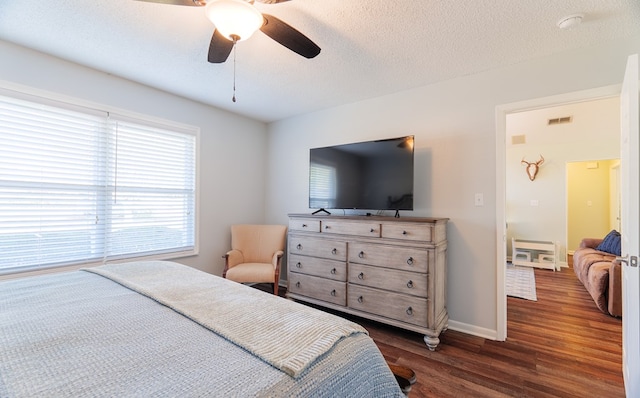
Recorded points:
(285, 334)
(79, 334)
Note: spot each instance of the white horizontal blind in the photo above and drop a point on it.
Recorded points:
(77, 187)
(151, 191)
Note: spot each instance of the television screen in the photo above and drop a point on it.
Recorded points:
(376, 175)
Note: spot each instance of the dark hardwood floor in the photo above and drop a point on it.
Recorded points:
(559, 346)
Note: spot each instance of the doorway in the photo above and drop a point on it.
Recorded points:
(541, 193)
(560, 138)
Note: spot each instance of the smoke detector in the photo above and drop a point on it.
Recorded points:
(570, 21)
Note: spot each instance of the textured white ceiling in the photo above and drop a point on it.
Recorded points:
(369, 47)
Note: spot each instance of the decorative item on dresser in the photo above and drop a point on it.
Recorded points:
(382, 268)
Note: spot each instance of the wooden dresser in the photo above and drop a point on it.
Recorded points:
(391, 270)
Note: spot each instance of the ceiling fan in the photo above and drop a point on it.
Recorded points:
(237, 20)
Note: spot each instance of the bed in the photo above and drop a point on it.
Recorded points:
(159, 328)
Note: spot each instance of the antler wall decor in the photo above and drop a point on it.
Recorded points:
(532, 168)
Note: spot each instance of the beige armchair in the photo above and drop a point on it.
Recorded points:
(255, 255)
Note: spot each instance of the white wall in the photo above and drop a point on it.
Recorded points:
(232, 150)
(455, 129)
(593, 134)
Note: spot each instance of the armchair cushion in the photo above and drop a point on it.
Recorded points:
(258, 243)
(252, 272)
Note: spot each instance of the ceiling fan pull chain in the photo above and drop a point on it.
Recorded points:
(235, 41)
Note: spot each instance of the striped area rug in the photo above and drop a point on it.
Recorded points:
(521, 282)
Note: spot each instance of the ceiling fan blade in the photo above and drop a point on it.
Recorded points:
(289, 37)
(219, 48)
(192, 3)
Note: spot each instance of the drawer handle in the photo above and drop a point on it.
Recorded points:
(409, 311)
(297, 284)
(410, 261)
(304, 225)
(410, 284)
(360, 299)
(334, 251)
(298, 265)
(333, 292)
(333, 271)
(299, 246)
(361, 276)
(361, 254)
(404, 232)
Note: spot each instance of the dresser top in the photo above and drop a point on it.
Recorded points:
(370, 218)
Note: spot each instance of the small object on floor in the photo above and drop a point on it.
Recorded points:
(405, 377)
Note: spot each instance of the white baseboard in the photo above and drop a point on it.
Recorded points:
(473, 330)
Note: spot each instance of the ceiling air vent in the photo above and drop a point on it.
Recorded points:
(560, 120)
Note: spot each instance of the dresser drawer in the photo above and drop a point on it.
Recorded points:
(404, 258)
(318, 288)
(406, 282)
(330, 269)
(302, 224)
(324, 248)
(366, 229)
(407, 231)
(396, 306)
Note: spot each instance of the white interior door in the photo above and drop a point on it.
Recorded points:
(630, 226)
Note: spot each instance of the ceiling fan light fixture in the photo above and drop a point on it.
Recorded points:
(235, 19)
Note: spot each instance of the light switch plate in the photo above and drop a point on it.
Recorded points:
(479, 199)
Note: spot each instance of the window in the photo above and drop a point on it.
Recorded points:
(82, 186)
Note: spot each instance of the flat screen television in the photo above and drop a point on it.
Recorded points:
(372, 175)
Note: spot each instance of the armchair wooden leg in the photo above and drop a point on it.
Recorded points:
(275, 289)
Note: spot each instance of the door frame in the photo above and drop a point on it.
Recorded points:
(501, 148)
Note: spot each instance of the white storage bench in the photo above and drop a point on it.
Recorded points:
(533, 253)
